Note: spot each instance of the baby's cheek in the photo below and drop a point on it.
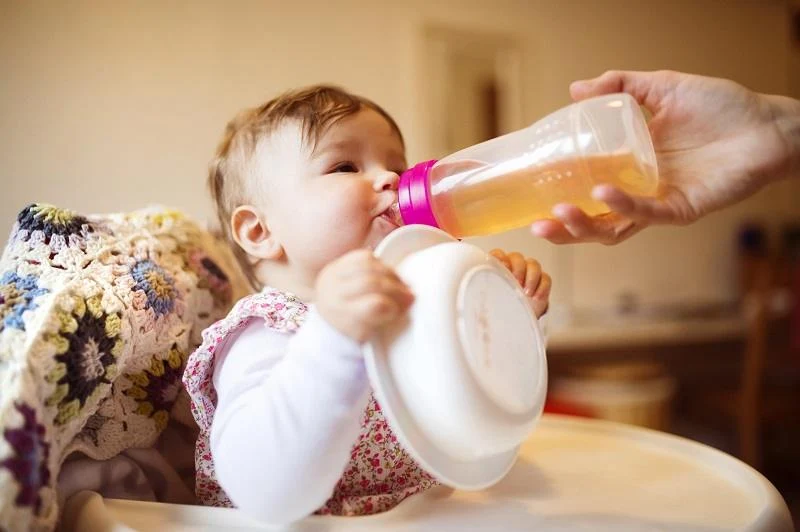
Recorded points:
(343, 220)
(352, 204)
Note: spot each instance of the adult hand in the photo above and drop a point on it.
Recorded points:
(716, 143)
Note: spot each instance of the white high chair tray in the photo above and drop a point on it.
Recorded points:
(572, 474)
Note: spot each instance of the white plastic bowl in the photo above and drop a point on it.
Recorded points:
(463, 379)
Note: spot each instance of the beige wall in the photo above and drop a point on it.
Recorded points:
(113, 105)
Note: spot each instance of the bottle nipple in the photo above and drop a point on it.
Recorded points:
(394, 215)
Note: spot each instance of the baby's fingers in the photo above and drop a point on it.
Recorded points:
(500, 255)
(541, 298)
(375, 309)
(533, 276)
(518, 267)
(396, 290)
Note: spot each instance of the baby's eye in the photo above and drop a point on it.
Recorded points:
(346, 168)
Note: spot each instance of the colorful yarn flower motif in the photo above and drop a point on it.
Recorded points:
(211, 276)
(28, 463)
(51, 220)
(87, 347)
(156, 285)
(166, 218)
(91, 430)
(156, 388)
(17, 295)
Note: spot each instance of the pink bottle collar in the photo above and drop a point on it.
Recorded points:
(414, 195)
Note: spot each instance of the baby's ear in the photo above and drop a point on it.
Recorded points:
(250, 230)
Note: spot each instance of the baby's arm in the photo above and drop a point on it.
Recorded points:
(289, 407)
(288, 415)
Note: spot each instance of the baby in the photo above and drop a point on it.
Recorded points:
(303, 187)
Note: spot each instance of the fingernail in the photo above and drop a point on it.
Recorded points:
(599, 191)
(577, 85)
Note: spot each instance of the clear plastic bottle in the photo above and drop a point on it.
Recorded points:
(516, 179)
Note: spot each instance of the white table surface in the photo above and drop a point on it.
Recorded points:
(572, 474)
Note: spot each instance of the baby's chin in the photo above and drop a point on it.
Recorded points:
(380, 230)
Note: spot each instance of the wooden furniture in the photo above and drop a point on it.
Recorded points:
(726, 365)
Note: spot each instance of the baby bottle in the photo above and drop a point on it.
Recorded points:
(516, 179)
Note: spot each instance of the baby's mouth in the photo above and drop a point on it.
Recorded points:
(392, 214)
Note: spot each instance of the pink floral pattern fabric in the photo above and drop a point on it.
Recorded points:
(380, 473)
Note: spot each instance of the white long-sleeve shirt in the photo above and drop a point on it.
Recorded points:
(288, 414)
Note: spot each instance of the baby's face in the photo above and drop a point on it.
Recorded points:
(323, 203)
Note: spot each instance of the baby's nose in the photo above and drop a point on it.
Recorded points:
(386, 180)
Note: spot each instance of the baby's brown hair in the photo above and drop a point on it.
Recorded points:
(316, 108)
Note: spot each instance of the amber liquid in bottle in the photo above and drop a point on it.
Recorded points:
(497, 198)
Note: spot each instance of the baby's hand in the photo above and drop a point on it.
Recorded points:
(530, 275)
(358, 294)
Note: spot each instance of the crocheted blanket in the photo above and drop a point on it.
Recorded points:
(97, 317)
